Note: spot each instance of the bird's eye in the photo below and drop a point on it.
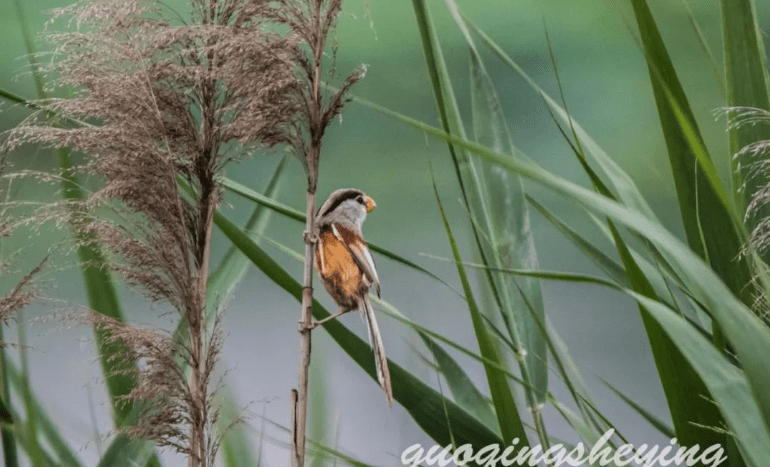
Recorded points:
(360, 200)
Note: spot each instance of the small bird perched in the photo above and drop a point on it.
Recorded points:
(347, 268)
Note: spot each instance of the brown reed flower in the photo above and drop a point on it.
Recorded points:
(162, 389)
(311, 21)
(754, 165)
(156, 102)
(23, 292)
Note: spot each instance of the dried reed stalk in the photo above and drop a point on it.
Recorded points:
(177, 100)
(311, 21)
(169, 100)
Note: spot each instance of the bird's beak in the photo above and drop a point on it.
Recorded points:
(370, 204)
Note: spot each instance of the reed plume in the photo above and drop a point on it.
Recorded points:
(158, 104)
(312, 21)
(753, 165)
(23, 292)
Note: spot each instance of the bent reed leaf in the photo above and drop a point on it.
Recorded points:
(295, 214)
(505, 406)
(748, 334)
(424, 404)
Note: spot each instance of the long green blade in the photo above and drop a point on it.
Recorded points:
(747, 86)
(750, 337)
(44, 425)
(725, 383)
(463, 390)
(680, 383)
(689, 401)
(704, 45)
(505, 406)
(234, 264)
(706, 214)
(127, 452)
(479, 198)
(35, 453)
(10, 453)
(424, 404)
(102, 298)
(513, 245)
(618, 179)
(235, 449)
(657, 423)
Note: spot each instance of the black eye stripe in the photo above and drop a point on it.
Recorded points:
(352, 194)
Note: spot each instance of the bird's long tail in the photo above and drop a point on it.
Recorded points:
(375, 340)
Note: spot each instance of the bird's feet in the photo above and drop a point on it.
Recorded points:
(308, 327)
(314, 324)
(310, 237)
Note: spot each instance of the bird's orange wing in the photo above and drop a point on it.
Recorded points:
(337, 268)
(360, 253)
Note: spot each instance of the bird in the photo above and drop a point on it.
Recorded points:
(347, 269)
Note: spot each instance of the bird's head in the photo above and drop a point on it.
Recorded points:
(347, 204)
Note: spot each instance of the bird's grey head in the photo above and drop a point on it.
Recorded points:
(347, 205)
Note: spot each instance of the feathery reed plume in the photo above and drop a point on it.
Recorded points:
(20, 295)
(162, 389)
(166, 101)
(311, 21)
(755, 165)
(12, 302)
(23, 292)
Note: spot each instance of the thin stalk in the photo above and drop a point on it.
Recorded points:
(537, 418)
(10, 454)
(197, 415)
(197, 321)
(34, 447)
(300, 414)
(323, 14)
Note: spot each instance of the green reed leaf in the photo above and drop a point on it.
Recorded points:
(747, 86)
(505, 406)
(750, 337)
(424, 404)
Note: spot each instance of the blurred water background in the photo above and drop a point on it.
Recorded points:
(607, 88)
